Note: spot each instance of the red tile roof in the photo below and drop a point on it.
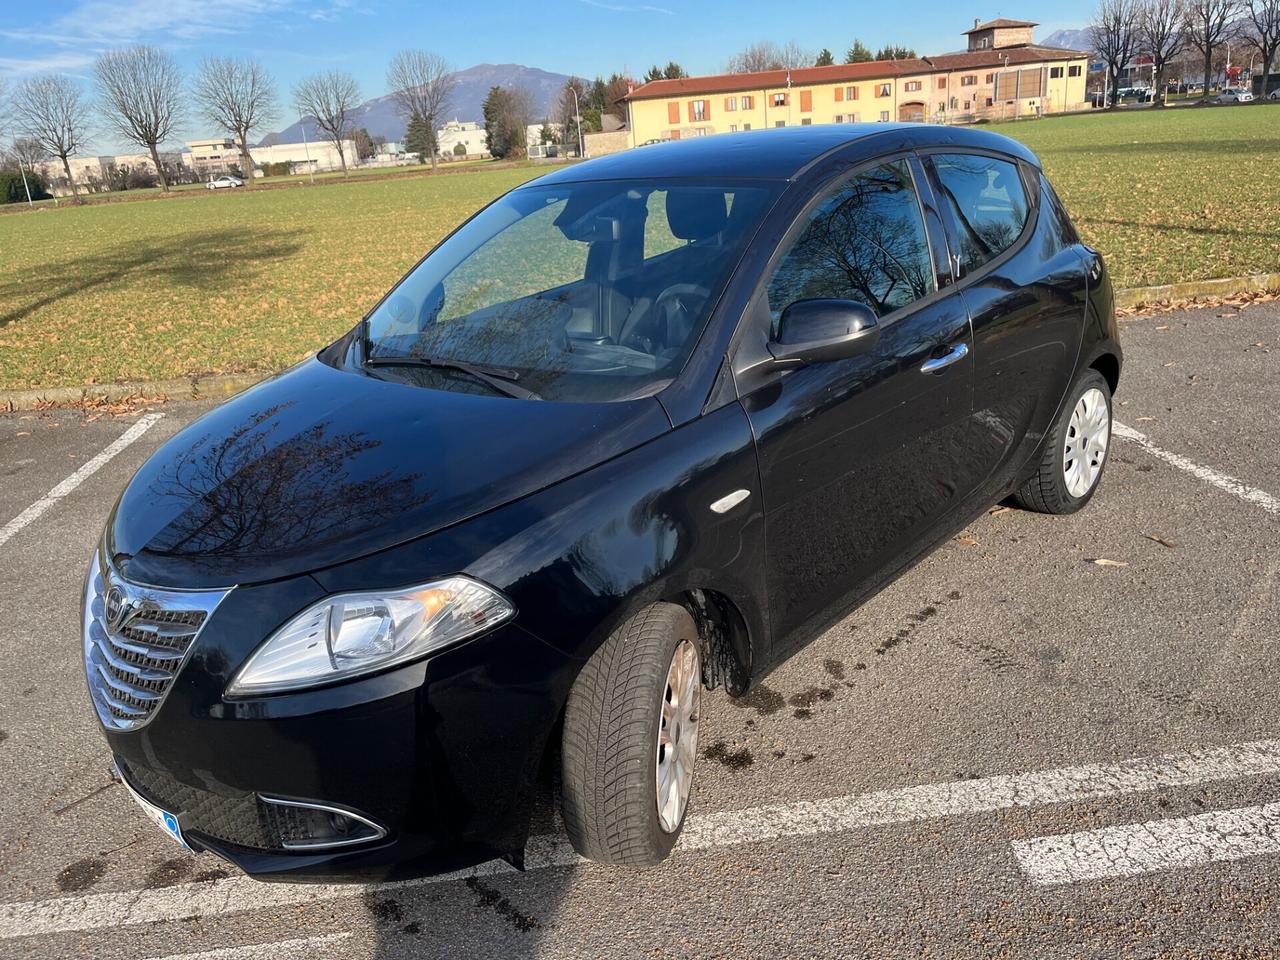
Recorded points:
(998, 57)
(999, 22)
(871, 70)
(777, 79)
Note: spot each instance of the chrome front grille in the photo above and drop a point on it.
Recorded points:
(136, 639)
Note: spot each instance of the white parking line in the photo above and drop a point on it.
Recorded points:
(753, 825)
(304, 948)
(1237, 488)
(87, 469)
(1157, 845)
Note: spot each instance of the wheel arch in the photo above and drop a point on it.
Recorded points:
(1108, 364)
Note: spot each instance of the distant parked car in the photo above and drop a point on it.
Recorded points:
(1235, 95)
(227, 181)
(1136, 94)
(1274, 94)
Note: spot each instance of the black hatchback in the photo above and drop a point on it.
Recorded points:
(639, 428)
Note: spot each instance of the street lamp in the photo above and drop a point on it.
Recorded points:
(577, 118)
(306, 149)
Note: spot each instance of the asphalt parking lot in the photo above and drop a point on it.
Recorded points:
(1013, 751)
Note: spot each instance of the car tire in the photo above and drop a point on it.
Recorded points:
(1075, 451)
(620, 712)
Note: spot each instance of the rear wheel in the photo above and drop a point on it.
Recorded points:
(631, 738)
(1075, 451)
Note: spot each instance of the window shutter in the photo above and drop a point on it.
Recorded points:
(839, 94)
(673, 112)
(806, 101)
(706, 109)
(691, 111)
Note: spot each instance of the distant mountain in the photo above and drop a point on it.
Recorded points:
(1069, 40)
(380, 117)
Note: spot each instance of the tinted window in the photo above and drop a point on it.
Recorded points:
(987, 202)
(864, 242)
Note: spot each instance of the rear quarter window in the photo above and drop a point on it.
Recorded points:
(987, 201)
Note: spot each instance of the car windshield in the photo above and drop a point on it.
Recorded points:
(589, 291)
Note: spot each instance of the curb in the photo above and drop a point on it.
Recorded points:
(1191, 289)
(227, 385)
(187, 388)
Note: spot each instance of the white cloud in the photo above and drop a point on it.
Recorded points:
(59, 62)
(69, 43)
(627, 7)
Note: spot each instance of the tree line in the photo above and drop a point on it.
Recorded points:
(140, 93)
(1166, 30)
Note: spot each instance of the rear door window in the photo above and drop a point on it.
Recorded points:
(987, 201)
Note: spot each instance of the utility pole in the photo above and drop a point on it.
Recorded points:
(306, 149)
(577, 118)
(26, 186)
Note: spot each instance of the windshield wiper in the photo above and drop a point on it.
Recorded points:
(503, 381)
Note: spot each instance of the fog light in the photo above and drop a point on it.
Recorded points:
(316, 826)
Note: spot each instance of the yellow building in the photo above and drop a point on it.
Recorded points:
(1002, 74)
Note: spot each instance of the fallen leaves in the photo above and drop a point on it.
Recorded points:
(1104, 562)
(967, 541)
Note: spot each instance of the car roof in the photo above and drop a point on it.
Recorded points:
(780, 153)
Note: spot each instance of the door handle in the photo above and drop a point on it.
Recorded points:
(958, 352)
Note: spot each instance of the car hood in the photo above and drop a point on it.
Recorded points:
(322, 465)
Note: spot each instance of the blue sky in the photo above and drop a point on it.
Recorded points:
(586, 37)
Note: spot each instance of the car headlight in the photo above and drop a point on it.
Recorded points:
(351, 634)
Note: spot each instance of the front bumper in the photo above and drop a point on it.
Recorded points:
(443, 753)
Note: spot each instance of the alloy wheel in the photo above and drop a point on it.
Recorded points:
(1085, 448)
(678, 735)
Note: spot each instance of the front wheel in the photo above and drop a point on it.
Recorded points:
(1075, 451)
(631, 738)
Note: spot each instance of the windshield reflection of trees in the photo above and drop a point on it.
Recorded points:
(253, 492)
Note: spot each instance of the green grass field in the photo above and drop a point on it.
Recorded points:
(253, 280)
(1185, 193)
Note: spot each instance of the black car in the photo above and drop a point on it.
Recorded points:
(641, 427)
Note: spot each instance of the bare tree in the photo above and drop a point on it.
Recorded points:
(238, 96)
(1209, 24)
(421, 84)
(764, 55)
(1114, 35)
(1263, 19)
(1160, 33)
(51, 110)
(794, 55)
(567, 111)
(330, 98)
(28, 152)
(140, 91)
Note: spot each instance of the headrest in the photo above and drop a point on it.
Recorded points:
(694, 213)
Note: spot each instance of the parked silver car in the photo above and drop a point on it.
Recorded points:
(224, 181)
(1234, 95)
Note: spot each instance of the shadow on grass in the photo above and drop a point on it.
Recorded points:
(1178, 228)
(204, 261)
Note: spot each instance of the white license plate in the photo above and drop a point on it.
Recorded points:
(165, 820)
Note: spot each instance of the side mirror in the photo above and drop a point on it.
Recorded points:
(812, 331)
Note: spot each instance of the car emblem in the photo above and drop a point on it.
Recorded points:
(116, 608)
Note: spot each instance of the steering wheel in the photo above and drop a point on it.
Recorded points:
(670, 305)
